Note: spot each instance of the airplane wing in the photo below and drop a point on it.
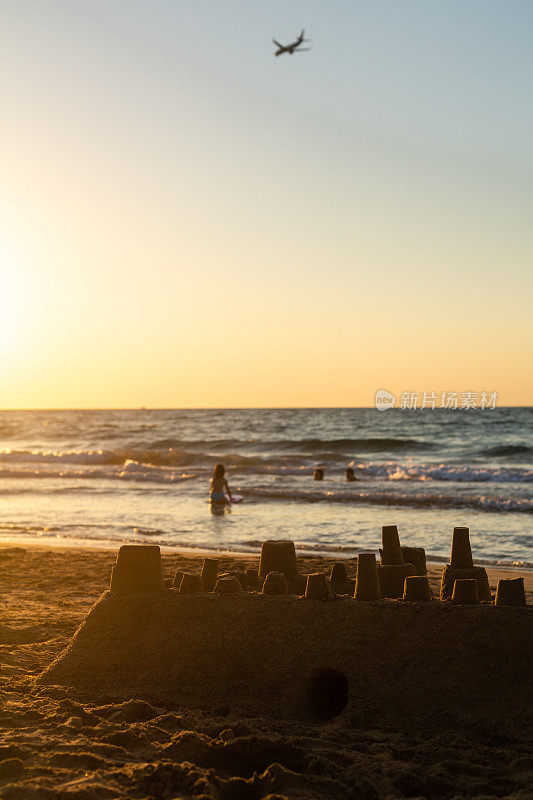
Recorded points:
(277, 43)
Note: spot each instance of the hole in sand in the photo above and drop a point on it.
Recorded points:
(327, 694)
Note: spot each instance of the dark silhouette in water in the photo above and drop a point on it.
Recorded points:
(219, 492)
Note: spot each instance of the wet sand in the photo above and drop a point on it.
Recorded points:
(58, 742)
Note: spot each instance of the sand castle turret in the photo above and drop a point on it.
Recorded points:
(209, 574)
(458, 569)
(349, 474)
(317, 587)
(510, 592)
(417, 589)
(465, 591)
(367, 579)
(279, 555)
(417, 557)
(240, 575)
(190, 583)
(228, 585)
(338, 573)
(318, 474)
(392, 579)
(252, 578)
(393, 570)
(391, 553)
(137, 569)
(339, 581)
(461, 556)
(275, 583)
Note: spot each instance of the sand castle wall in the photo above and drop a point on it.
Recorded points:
(385, 663)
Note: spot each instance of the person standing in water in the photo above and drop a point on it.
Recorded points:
(219, 487)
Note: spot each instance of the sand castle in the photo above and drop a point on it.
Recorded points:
(510, 592)
(280, 556)
(277, 646)
(416, 589)
(190, 584)
(209, 573)
(275, 583)
(339, 581)
(228, 584)
(137, 569)
(462, 567)
(393, 568)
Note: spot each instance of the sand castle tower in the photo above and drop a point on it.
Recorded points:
(209, 574)
(240, 575)
(417, 589)
(417, 557)
(462, 567)
(278, 555)
(275, 583)
(510, 592)
(252, 578)
(317, 587)
(190, 583)
(228, 584)
(461, 556)
(367, 579)
(339, 581)
(137, 569)
(465, 591)
(392, 570)
(391, 551)
(390, 555)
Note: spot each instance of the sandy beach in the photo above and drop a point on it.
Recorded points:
(61, 742)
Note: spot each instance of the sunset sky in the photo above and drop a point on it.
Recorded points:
(187, 221)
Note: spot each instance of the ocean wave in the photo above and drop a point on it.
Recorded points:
(306, 445)
(507, 450)
(369, 444)
(154, 458)
(102, 464)
(178, 444)
(130, 470)
(420, 500)
(456, 473)
(82, 457)
(175, 452)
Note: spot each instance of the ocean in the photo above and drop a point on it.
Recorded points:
(108, 477)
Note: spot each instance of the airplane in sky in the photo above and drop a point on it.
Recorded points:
(293, 47)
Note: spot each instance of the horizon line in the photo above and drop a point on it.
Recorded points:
(246, 408)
